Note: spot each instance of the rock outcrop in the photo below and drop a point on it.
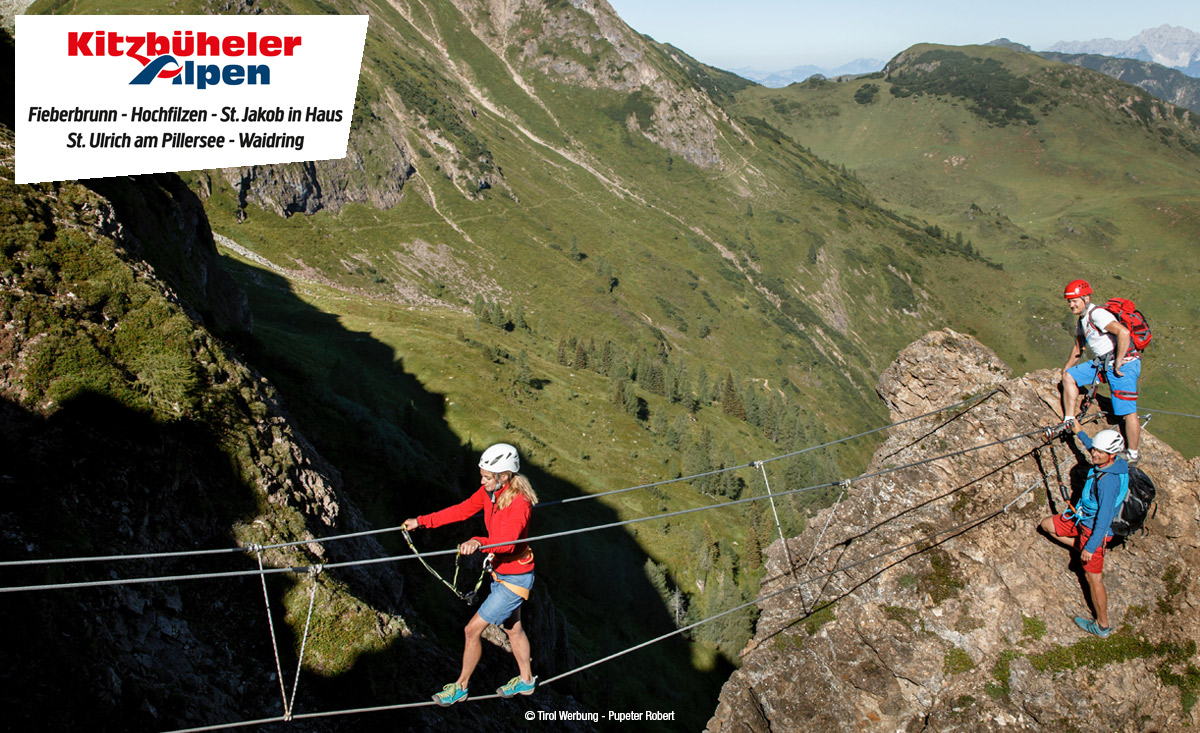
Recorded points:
(129, 428)
(933, 603)
(374, 172)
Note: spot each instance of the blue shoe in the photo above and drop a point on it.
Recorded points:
(517, 686)
(450, 694)
(1092, 627)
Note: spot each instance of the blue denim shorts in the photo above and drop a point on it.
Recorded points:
(502, 602)
(1124, 388)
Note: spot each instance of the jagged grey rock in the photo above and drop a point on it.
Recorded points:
(971, 629)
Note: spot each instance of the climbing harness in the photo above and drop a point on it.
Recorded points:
(525, 559)
(470, 596)
(1102, 364)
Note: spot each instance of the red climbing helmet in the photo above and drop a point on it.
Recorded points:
(1077, 289)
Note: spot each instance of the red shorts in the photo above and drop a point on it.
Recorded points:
(1064, 527)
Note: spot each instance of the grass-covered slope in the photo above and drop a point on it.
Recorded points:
(1168, 84)
(1054, 171)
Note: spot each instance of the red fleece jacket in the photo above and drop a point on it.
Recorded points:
(509, 525)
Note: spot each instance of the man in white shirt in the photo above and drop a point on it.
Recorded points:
(1109, 342)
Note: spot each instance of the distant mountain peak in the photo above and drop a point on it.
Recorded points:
(800, 73)
(1169, 45)
(1013, 45)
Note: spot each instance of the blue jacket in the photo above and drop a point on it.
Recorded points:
(1103, 493)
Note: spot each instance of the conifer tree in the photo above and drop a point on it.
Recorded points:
(632, 404)
(524, 374)
(658, 423)
(731, 402)
(752, 403)
(753, 553)
(654, 379)
(678, 606)
(618, 393)
(581, 359)
(703, 387)
(676, 432)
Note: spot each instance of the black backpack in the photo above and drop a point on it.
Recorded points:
(1138, 504)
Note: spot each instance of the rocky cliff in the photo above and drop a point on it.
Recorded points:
(129, 428)
(935, 604)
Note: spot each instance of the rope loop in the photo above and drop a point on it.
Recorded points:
(315, 570)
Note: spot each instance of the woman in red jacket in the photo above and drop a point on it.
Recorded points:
(506, 500)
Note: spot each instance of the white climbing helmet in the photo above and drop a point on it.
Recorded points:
(499, 458)
(1109, 441)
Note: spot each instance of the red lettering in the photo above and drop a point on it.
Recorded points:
(77, 43)
(135, 45)
(109, 43)
(157, 45)
(207, 45)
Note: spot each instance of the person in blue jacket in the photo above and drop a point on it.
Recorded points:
(1087, 527)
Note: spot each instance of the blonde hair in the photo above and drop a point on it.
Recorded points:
(518, 484)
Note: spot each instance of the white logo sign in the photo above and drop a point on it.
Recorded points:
(113, 95)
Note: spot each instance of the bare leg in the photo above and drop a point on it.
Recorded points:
(1047, 526)
(520, 649)
(1099, 596)
(1133, 430)
(1070, 395)
(472, 650)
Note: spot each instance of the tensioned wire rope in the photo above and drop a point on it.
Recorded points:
(1167, 412)
(959, 528)
(754, 464)
(384, 530)
(538, 538)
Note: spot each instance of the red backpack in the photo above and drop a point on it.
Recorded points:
(1130, 317)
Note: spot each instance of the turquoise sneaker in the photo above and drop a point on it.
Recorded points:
(450, 694)
(517, 686)
(1092, 627)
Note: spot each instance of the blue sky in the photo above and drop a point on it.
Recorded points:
(775, 34)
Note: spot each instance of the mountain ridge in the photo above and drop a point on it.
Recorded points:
(1172, 46)
(801, 73)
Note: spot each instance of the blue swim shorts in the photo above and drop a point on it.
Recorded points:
(1124, 388)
